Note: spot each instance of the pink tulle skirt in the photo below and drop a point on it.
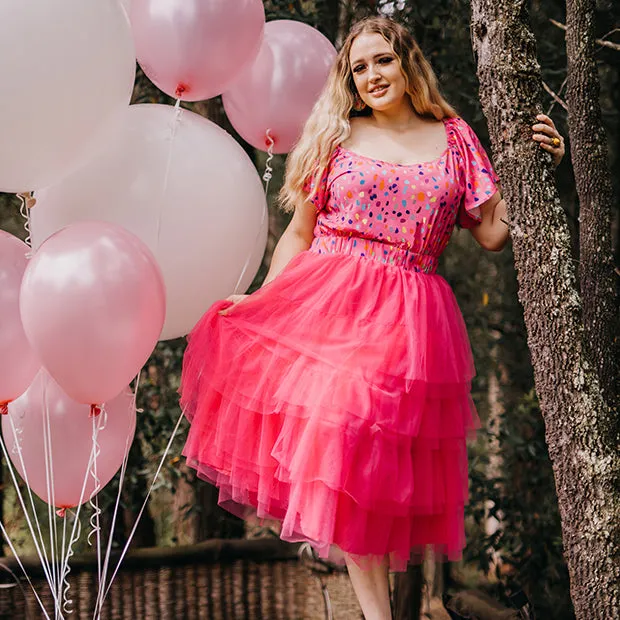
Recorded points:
(336, 399)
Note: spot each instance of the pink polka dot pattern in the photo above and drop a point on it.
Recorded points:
(402, 214)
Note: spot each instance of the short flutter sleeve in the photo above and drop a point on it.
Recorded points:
(477, 175)
(319, 199)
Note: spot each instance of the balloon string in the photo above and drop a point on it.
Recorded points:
(93, 473)
(94, 500)
(38, 542)
(18, 583)
(162, 204)
(267, 176)
(26, 203)
(17, 446)
(67, 605)
(76, 523)
(17, 558)
(50, 486)
(106, 562)
(142, 509)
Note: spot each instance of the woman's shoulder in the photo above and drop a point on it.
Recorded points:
(359, 125)
(460, 126)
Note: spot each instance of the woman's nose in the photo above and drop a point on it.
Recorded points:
(373, 72)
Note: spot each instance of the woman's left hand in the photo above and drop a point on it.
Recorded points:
(549, 138)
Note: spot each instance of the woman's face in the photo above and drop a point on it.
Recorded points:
(376, 72)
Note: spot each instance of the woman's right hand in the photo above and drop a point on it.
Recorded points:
(234, 299)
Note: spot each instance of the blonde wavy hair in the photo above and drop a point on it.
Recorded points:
(328, 124)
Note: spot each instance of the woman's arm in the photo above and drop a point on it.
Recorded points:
(296, 238)
(492, 233)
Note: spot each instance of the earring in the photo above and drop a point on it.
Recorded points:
(358, 104)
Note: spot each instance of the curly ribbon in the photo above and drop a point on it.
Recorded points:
(76, 531)
(267, 176)
(67, 603)
(27, 201)
(92, 500)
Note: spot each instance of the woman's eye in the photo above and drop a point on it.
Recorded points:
(358, 68)
(385, 60)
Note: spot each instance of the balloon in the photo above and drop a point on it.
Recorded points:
(187, 189)
(278, 90)
(68, 68)
(194, 49)
(71, 432)
(18, 361)
(93, 304)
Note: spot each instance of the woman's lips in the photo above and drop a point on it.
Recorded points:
(377, 92)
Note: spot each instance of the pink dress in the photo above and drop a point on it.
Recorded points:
(336, 398)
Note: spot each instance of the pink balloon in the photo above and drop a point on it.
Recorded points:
(194, 49)
(278, 90)
(71, 431)
(18, 361)
(93, 306)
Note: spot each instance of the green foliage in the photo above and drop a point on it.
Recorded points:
(521, 496)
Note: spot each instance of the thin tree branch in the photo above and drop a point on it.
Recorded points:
(556, 98)
(609, 44)
(610, 33)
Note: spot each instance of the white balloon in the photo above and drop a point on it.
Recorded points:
(67, 69)
(187, 189)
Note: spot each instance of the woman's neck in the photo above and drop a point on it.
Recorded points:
(399, 118)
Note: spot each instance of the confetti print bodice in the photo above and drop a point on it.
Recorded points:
(402, 214)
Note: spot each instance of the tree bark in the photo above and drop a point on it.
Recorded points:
(328, 18)
(582, 432)
(594, 188)
(408, 593)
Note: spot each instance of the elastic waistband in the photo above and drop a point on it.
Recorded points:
(375, 250)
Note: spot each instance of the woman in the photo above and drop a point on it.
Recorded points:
(336, 399)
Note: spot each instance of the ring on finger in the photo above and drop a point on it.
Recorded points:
(556, 141)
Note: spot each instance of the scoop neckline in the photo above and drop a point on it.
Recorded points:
(415, 164)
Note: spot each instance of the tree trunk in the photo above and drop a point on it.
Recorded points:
(408, 593)
(582, 433)
(328, 18)
(594, 188)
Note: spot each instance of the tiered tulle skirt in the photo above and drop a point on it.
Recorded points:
(336, 399)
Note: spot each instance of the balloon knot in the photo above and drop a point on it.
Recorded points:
(61, 512)
(95, 410)
(4, 407)
(29, 200)
(181, 89)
